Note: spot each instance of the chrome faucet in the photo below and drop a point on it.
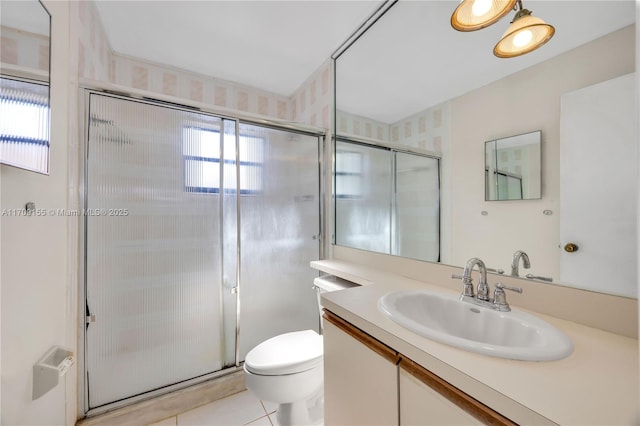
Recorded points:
(499, 301)
(467, 281)
(515, 263)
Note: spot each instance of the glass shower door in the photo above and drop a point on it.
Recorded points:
(363, 208)
(416, 230)
(155, 313)
(279, 227)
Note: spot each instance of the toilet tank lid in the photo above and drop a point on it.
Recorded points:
(286, 354)
(333, 283)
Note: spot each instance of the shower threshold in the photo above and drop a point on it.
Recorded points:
(153, 408)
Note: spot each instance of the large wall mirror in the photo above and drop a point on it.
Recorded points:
(24, 85)
(409, 81)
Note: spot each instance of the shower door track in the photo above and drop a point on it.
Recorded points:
(88, 87)
(100, 87)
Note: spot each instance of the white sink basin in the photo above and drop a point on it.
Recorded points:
(446, 319)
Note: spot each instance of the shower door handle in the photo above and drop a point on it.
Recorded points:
(89, 317)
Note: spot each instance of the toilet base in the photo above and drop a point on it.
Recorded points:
(309, 412)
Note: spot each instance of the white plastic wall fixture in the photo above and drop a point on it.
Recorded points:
(48, 370)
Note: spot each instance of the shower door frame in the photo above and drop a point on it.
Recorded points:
(100, 88)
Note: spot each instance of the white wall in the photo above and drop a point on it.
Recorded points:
(37, 290)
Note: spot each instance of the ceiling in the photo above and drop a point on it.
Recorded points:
(270, 45)
(277, 45)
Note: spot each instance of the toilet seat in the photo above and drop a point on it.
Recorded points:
(287, 353)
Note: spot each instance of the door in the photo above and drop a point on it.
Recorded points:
(416, 207)
(279, 233)
(154, 299)
(599, 186)
(363, 177)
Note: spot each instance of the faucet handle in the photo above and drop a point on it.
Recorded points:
(467, 283)
(500, 298)
(507, 287)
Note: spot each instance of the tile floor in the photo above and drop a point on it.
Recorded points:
(236, 410)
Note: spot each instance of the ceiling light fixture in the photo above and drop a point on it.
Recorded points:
(471, 15)
(525, 34)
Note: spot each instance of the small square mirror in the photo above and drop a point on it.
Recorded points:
(513, 168)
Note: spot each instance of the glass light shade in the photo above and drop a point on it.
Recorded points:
(525, 34)
(471, 15)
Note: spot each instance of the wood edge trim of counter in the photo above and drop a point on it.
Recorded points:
(465, 402)
(375, 345)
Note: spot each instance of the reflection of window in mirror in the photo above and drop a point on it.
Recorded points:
(348, 174)
(24, 85)
(513, 168)
(24, 124)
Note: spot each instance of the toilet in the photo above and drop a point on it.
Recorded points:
(288, 369)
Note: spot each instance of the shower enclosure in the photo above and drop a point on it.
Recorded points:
(199, 230)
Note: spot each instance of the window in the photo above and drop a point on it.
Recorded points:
(201, 150)
(348, 174)
(24, 124)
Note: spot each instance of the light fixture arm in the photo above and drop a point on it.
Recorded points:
(520, 11)
(518, 5)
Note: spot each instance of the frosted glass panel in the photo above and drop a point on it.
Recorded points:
(363, 197)
(417, 207)
(279, 225)
(153, 250)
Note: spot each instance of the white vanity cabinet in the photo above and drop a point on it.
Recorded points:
(360, 377)
(369, 383)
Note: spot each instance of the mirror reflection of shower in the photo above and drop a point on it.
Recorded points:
(387, 200)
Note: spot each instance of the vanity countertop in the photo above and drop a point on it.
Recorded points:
(596, 385)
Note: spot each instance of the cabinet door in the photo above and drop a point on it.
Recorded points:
(421, 405)
(360, 381)
(426, 399)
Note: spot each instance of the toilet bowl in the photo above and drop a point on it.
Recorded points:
(288, 369)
